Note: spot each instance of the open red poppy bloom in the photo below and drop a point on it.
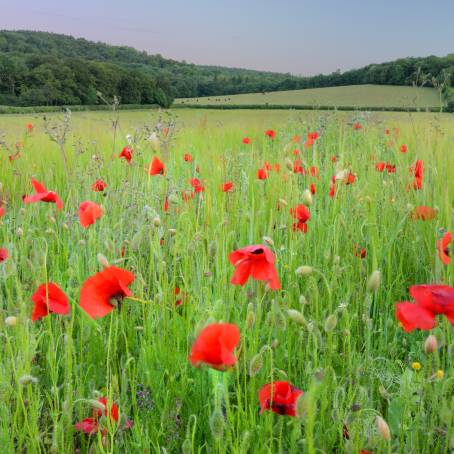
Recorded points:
(403, 148)
(270, 133)
(312, 188)
(359, 251)
(215, 345)
(246, 141)
(43, 195)
(380, 166)
(262, 174)
(351, 178)
(280, 397)
(91, 425)
(387, 131)
(332, 188)
(187, 157)
(102, 291)
(256, 261)
(357, 126)
(429, 301)
(423, 213)
(2, 212)
(197, 185)
(302, 214)
(3, 254)
(156, 167)
(98, 186)
(89, 212)
(296, 139)
(13, 157)
(418, 173)
(126, 154)
(49, 298)
(443, 248)
(390, 168)
(298, 167)
(296, 152)
(227, 187)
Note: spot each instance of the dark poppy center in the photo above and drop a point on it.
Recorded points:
(257, 251)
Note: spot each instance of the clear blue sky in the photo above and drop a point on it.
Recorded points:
(301, 37)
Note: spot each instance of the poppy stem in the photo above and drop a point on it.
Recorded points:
(137, 299)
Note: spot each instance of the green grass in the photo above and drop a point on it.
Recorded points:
(353, 95)
(360, 369)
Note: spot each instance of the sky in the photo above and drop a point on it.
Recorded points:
(300, 37)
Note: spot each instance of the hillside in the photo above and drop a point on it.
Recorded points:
(352, 95)
(40, 68)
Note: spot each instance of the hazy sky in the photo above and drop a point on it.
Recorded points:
(301, 37)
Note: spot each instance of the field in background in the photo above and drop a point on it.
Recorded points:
(353, 95)
(345, 349)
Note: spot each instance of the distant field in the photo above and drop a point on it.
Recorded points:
(351, 95)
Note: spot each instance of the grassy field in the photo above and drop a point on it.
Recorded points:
(353, 95)
(330, 329)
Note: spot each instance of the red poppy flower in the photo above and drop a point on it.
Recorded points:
(13, 157)
(360, 252)
(166, 205)
(418, 173)
(102, 291)
(267, 166)
(156, 167)
(296, 152)
(246, 140)
(301, 213)
(180, 297)
(298, 167)
(423, 213)
(380, 166)
(91, 425)
(387, 131)
(3, 254)
(262, 174)
(43, 195)
(314, 171)
(280, 397)
(403, 148)
(98, 186)
(333, 158)
(2, 212)
(215, 345)
(429, 301)
(29, 128)
(351, 178)
(270, 133)
(197, 185)
(187, 157)
(49, 298)
(390, 168)
(256, 261)
(332, 188)
(312, 188)
(89, 212)
(126, 153)
(187, 195)
(227, 187)
(357, 126)
(296, 139)
(443, 248)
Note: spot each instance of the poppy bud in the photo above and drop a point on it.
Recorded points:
(154, 141)
(97, 404)
(289, 164)
(268, 240)
(303, 301)
(27, 380)
(383, 428)
(255, 365)
(173, 199)
(156, 221)
(296, 316)
(374, 281)
(186, 447)
(307, 197)
(217, 424)
(172, 232)
(102, 260)
(330, 323)
(301, 406)
(283, 202)
(212, 248)
(274, 344)
(19, 232)
(10, 321)
(66, 226)
(250, 316)
(304, 270)
(245, 442)
(431, 344)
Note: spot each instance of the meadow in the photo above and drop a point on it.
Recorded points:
(347, 211)
(361, 96)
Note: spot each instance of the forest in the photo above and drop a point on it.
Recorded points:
(40, 68)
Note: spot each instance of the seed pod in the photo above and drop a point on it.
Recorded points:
(186, 447)
(431, 344)
(250, 317)
(330, 323)
(307, 197)
(374, 281)
(304, 270)
(217, 424)
(102, 260)
(268, 240)
(255, 365)
(156, 221)
(296, 316)
(383, 428)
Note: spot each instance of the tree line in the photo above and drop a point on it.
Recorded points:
(39, 68)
